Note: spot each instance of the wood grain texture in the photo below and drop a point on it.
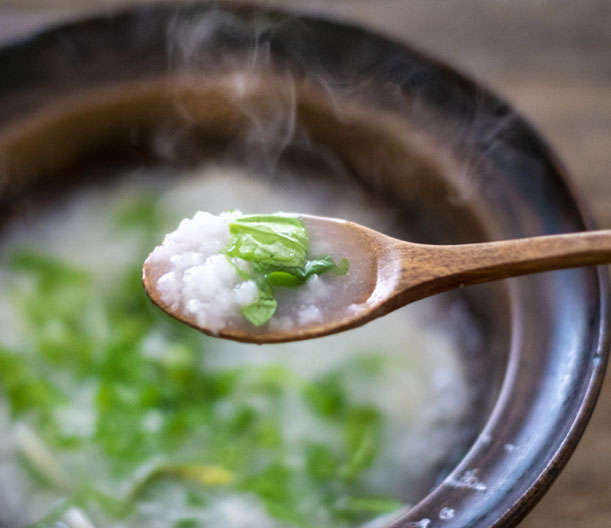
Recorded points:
(550, 58)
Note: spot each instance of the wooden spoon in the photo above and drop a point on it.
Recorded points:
(387, 273)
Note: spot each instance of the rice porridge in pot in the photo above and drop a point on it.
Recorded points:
(118, 416)
(115, 415)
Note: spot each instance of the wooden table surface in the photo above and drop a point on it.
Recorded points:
(552, 60)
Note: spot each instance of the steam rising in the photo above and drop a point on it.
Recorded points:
(208, 42)
(271, 62)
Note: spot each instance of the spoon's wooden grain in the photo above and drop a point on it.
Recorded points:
(388, 273)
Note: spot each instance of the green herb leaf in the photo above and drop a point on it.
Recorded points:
(284, 278)
(362, 436)
(277, 246)
(342, 268)
(319, 266)
(263, 309)
(271, 240)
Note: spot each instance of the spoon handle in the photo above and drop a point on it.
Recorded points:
(426, 270)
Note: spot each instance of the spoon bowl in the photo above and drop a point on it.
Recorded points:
(387, 273)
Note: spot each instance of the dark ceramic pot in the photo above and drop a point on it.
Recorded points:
(454, 161)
